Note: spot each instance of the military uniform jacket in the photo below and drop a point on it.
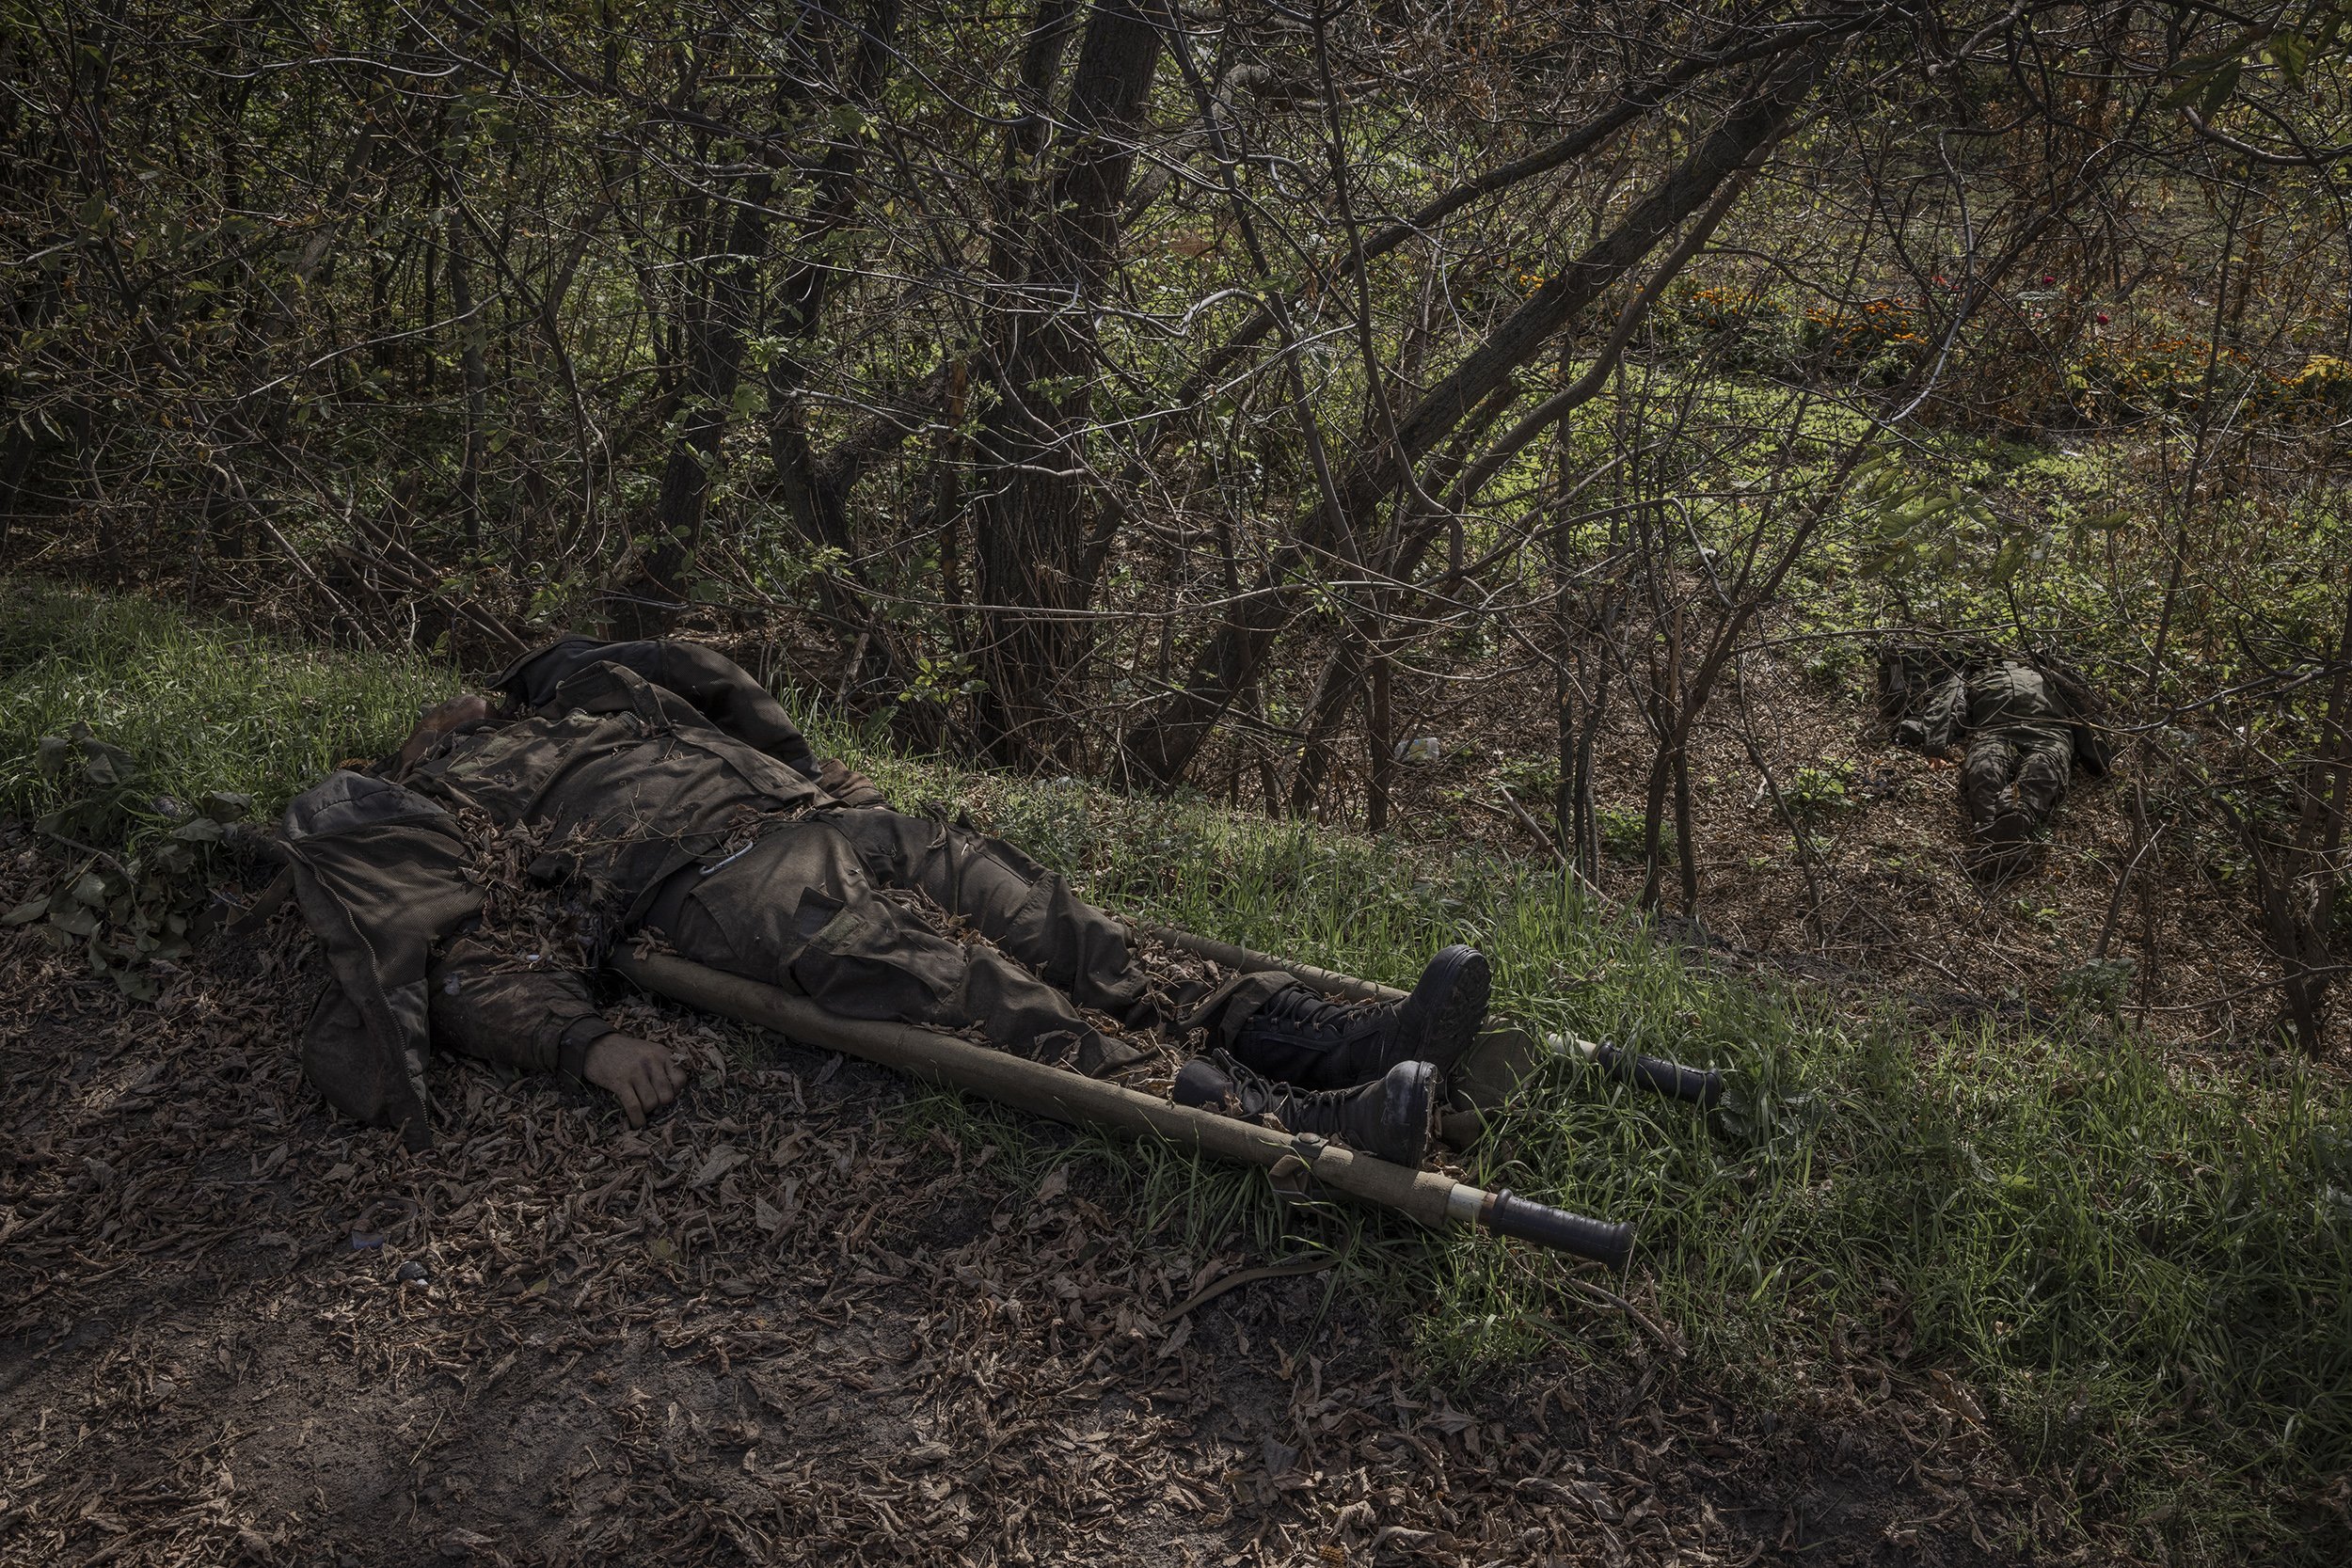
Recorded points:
(2015, 701)
(621, 783)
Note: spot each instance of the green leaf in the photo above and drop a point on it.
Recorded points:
(2217, 91)
(227, 805)
(27, 912)
(200, 830)
(2291, 52)
(2198, 76)
(108, 767)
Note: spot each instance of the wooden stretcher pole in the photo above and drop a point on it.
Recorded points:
(1329, 981)
(1433, 1200)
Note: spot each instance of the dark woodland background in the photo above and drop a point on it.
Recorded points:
(1237, 395)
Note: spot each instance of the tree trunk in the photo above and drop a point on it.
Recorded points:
(464, 310)
(1162, 747)
(820, 509)
(714, 347)
(1031, 529)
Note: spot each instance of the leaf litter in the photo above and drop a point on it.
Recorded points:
(789, 1323)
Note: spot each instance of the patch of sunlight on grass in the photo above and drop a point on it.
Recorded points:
(203, 706)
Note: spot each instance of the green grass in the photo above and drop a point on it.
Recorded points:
(2141, 1273)
(2140, 1270)
(203, 707)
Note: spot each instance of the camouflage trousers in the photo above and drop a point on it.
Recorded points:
(842, 906)
(2021, 768)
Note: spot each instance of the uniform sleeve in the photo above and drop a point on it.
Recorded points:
(852, 789)
(487, 1005)
(1945, 707)
(730, 698)
(720, 688)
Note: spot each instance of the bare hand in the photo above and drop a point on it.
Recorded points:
(638, 1073)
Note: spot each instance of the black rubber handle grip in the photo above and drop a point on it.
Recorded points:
(1545, 1226)
(1701, 1086)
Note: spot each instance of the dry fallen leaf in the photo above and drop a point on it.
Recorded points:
(717, 1164)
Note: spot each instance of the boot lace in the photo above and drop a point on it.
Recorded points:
(1321, 1112)
(1304, 1012)
(1253, 1094)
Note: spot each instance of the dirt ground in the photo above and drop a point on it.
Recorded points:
(795, 1321)
(1887, 902)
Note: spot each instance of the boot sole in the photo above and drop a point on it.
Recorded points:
(1460, 984)
(1405, 1128)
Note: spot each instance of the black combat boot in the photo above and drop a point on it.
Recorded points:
(2004, 847)
(1387, 1118)
(1298, 1037)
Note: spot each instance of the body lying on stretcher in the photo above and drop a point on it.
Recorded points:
(465, 890)
(652, 794)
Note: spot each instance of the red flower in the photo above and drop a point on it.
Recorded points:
(2048, 278)
(2102, 318)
